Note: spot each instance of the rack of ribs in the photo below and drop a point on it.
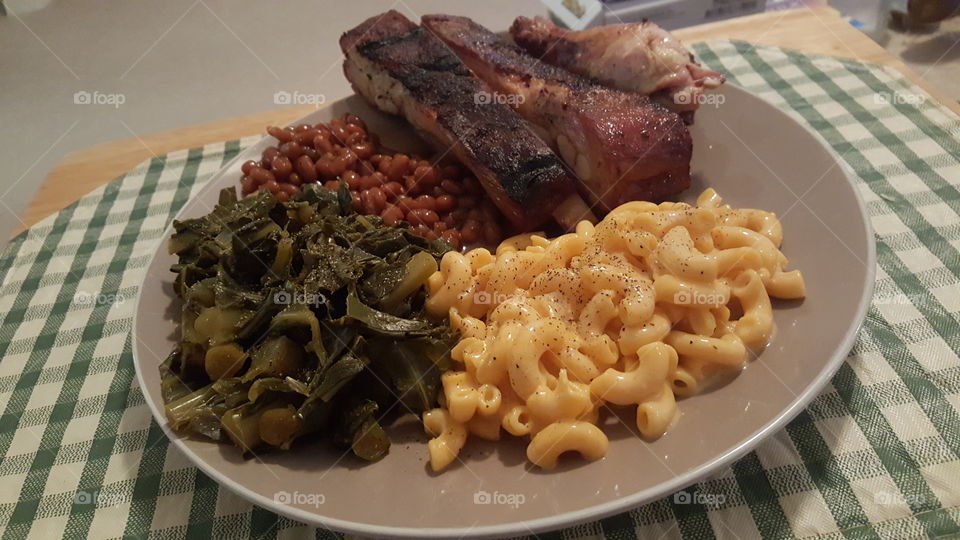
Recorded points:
(622, 145)
(403, 69)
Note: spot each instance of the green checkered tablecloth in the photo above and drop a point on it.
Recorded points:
(877, 453)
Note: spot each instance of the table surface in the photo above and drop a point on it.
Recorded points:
(813, 30)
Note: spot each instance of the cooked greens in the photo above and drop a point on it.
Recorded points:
(300, 319)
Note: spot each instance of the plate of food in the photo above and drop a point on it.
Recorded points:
(498, 291)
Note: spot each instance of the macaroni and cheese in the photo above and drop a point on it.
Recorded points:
(634, 311)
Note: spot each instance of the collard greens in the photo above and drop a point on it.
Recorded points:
(300, 319)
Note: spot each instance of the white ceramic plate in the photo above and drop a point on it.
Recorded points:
(755, 156)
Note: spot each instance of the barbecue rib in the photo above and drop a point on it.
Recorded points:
(622, 146)
(640, 57)
(402, 69)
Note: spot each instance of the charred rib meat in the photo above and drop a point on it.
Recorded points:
(622, 146)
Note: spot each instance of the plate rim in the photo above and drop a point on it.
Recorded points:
(565, 519)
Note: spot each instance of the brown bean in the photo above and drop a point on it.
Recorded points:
(332, 185)
(306, 169)
(294, 179)
(248, 185)
(384, 164)
(367, 203)
(327, 167)
(471, 231)
(365, 168)
(352, 179)
(376, 179)
(281, 134)
(410, 184)
(398, 167)
(363, 149)
(466, 202)
(289, 189)
(419, 216)
(379, 197)
(451, 186)
(354, 120)
(475, 213)
(311, 152)
(452, 236)
(392, 190)
(301, 128)
(272, 186)
(426, 176)
(347, 156)
(306, 136)
(424, 231)
(448, 219)
(291, 149)
(339, 166)
(322, 142)
(269, 154)
(405, 202)
(357, 203)
(261, 176)
(391, 215)
(283, 196)
(338, 131)
(440, 226)
(355, 138)
(247, 165)
(282, 167)
(426, 202)
(446, 203)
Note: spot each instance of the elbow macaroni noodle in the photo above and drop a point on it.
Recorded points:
(635, 311)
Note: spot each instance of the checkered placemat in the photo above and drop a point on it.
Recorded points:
(877, 453)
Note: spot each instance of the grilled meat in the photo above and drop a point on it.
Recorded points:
(622, 146)
(640, 57)
(405, 70)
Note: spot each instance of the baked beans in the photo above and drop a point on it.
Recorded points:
(434, 200)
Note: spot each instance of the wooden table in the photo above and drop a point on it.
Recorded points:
(814, 31)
